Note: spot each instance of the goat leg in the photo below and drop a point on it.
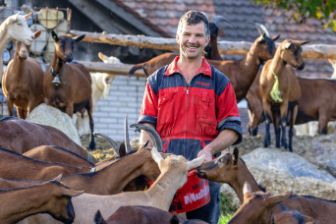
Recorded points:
(283, 132)
(267, 138)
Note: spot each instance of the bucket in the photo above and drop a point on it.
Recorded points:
(194, 194)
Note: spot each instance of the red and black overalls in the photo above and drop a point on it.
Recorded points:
(188, 116)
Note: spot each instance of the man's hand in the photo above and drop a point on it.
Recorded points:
(207, 153)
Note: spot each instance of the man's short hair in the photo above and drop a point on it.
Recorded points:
(193, 17)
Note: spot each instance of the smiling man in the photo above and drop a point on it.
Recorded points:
(192, 105)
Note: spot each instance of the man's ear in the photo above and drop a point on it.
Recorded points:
(177, 38)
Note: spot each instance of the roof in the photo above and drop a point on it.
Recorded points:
(116, 17)
(242, 14)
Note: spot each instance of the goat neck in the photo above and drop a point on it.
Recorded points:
(276, 65)
(105, 181)
(243, 176)
(172, 177)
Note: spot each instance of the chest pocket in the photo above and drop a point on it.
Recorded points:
(206, 115)
(166, 112)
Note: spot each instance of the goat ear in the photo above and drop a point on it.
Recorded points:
(37, 34)
(72, 193)
(122, 150)
(247, 188)
(276, 37)
(273, 200)
(102, 56)
(195, 162)
(287, 45)
(99, 219)
(157, 157)
(58, 178)
(27, 16)
(54, 36)
(235, 156)
(78, 38)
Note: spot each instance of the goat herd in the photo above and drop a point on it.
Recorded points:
(47, 178)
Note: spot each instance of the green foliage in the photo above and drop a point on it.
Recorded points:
(225, 219)
(323, 10)
(228, 208)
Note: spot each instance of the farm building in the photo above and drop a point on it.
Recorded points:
(160, 19)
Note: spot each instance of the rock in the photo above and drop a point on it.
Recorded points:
(47, 115)
(288, 163)
(281, 172)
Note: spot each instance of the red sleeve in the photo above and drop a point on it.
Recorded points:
(149, 108)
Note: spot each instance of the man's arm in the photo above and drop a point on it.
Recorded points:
(224, 139)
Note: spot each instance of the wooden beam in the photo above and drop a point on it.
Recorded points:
(314, 51)
(113, 69)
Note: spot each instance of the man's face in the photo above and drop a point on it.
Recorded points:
(192, 40)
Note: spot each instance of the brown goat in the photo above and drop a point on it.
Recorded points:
(105, 181)
(142, 215)
(20, 136)
(52, 198)
(16, 166)
(254, 206)
(232, 170)
(275, 88)
(67, 86)
(173, 175)
(313, 105)
(150, 66)
(242, 73)
(23, 81)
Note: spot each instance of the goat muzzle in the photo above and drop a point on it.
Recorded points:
(56, 81)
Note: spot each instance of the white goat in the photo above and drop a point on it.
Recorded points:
(101, 84)
(173, 175)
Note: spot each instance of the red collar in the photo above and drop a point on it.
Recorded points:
(204, 69)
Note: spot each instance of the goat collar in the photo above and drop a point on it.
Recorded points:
(173, 67)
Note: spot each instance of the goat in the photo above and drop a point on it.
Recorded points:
(14, 28)
(101, 84)
(52, 198)
(142, 215)
(254, 205)
(20, 136)
(17, 166)
(232, 170)
(242, 73)
(173, 175)
(22, 82)
(150, 66)
(313, 105)
(68, 86)
(275, 89)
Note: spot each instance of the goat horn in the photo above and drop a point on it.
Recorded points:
(128, 147)
(153, 134)
(262, 29)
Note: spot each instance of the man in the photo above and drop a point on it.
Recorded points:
(192, 105)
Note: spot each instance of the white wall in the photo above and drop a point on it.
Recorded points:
(125, 98)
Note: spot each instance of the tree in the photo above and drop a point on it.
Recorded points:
(323, 10)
